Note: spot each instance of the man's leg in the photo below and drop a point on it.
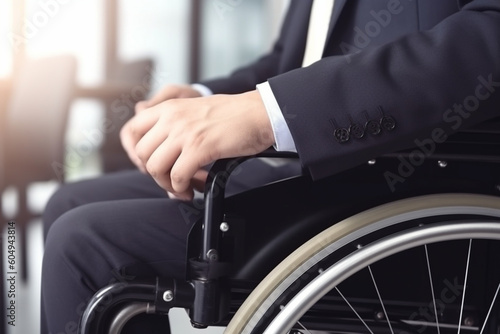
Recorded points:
(134, 184)
(100, 243)
(87, 246)
(113, 186)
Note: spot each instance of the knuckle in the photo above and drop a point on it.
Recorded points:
(152, 169)
(140, 152)
(124, 130)
(140, 106)
(141, 156)
(177, 177)
(129, 130)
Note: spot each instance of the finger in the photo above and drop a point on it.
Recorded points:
(172, 195)
(183, 171)
(151, 141)
(165, 94)
(141, 123)
(161, 161)
(141, 106)
(197, 183)
(186, 195)
(128, 146)
(134, 130)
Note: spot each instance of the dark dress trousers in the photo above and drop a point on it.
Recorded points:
(395, 72)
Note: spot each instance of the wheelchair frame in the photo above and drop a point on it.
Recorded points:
(205, 292)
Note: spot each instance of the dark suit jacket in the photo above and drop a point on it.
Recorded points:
(395, 73)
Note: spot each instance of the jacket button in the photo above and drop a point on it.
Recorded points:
(388, 123)
(357, 131)
(342, 135)
(373, 127)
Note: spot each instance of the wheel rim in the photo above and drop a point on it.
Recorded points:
(345, 268)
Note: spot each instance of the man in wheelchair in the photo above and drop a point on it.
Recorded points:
(377, 101)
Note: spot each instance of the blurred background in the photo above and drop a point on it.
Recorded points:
(70, 75)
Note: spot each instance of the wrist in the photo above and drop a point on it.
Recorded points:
(261, 119)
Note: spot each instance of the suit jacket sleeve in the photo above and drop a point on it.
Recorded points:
(432, 83)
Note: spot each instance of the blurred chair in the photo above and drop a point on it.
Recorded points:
(32, 138)
(135, 78)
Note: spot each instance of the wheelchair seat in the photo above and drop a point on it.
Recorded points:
(330, 255)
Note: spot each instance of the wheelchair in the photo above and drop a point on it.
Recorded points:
(354, 253)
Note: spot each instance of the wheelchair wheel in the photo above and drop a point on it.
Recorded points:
(424, 264)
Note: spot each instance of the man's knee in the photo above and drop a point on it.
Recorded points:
(63, 200)
(66, 230)
(70, 242)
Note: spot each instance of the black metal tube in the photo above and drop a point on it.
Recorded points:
(214, 196)
(105, 301)
(211, 298)
(121, 295)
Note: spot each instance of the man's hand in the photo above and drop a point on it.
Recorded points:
(175, 139)
(167, 93)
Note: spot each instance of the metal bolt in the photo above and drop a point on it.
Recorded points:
(359, 246)
(442, 163)
(372, 162)
(168, 296)
(224, 227)
(379, 315)
(213, 255)
(469, 321)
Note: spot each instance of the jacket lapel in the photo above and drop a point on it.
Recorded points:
(337, 9)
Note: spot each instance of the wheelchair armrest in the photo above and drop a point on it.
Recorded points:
(222, 169)
(215, 190)
(213, 307)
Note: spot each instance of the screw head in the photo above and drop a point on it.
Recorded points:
(213, 255)
(372, 162)
(469, 321)
(168, 296)
(442, 163)
(224, 227)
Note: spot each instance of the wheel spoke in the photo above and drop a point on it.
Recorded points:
(489, 310)
(303, 327)
(465, 286)
(432, 288)
(352, 308)
(380, 299)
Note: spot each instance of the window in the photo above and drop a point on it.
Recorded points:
(70, 27)
(6, 38)
(236, 32)
(158, 30)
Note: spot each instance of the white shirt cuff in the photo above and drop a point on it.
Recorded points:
(202, 89)
(282, 136)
